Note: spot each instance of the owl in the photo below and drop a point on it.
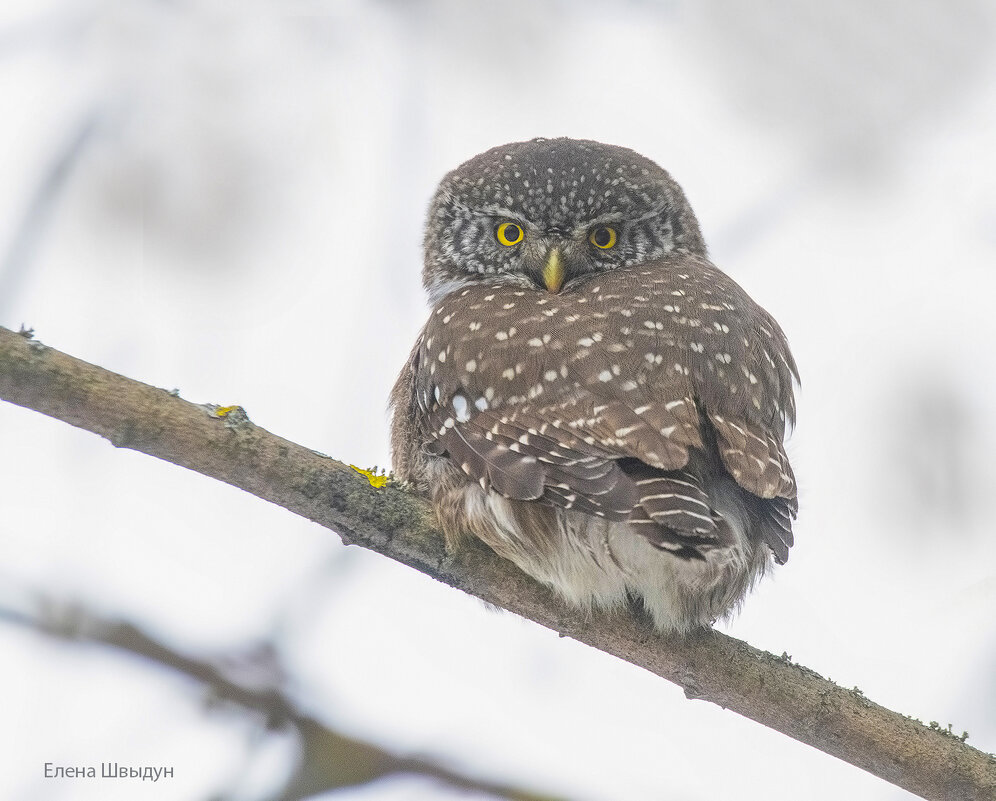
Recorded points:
(591, 397)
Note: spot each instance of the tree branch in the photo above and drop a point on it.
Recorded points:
(398, 523)
(328, 759)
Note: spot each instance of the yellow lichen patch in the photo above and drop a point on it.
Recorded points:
(377, 481)
(224, 411)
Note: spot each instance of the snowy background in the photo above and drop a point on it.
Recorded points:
(227, 198)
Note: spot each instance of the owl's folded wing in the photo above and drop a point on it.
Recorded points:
(570, 453)
(757, 461)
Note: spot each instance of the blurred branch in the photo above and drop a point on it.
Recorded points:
(223, 444)
(15, 263)
(327, 761)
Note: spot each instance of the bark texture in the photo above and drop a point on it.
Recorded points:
(396, 522)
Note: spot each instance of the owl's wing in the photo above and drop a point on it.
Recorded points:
(569, 452)
(749, 437)
(593, 455)
(756, 460)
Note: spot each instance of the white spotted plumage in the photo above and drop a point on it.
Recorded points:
(617, 435)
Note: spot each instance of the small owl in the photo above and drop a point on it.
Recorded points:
(591, 396)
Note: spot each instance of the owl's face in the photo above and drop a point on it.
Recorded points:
(548, 213)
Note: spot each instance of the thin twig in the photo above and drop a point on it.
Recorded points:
(16, 262)
(398, 523)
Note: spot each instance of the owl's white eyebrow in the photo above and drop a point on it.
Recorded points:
(621, 217)
(498, 211)
(452, 199)
(654, 212)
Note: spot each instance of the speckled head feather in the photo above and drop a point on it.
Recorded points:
(557, 189)
(591, 396)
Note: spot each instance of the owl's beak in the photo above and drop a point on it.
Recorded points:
(553, 270)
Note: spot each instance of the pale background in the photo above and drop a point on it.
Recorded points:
(227, 198)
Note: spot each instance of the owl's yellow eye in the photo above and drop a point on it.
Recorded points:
(603, 237)
(509, 234)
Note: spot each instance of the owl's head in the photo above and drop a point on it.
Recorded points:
(548, 212)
